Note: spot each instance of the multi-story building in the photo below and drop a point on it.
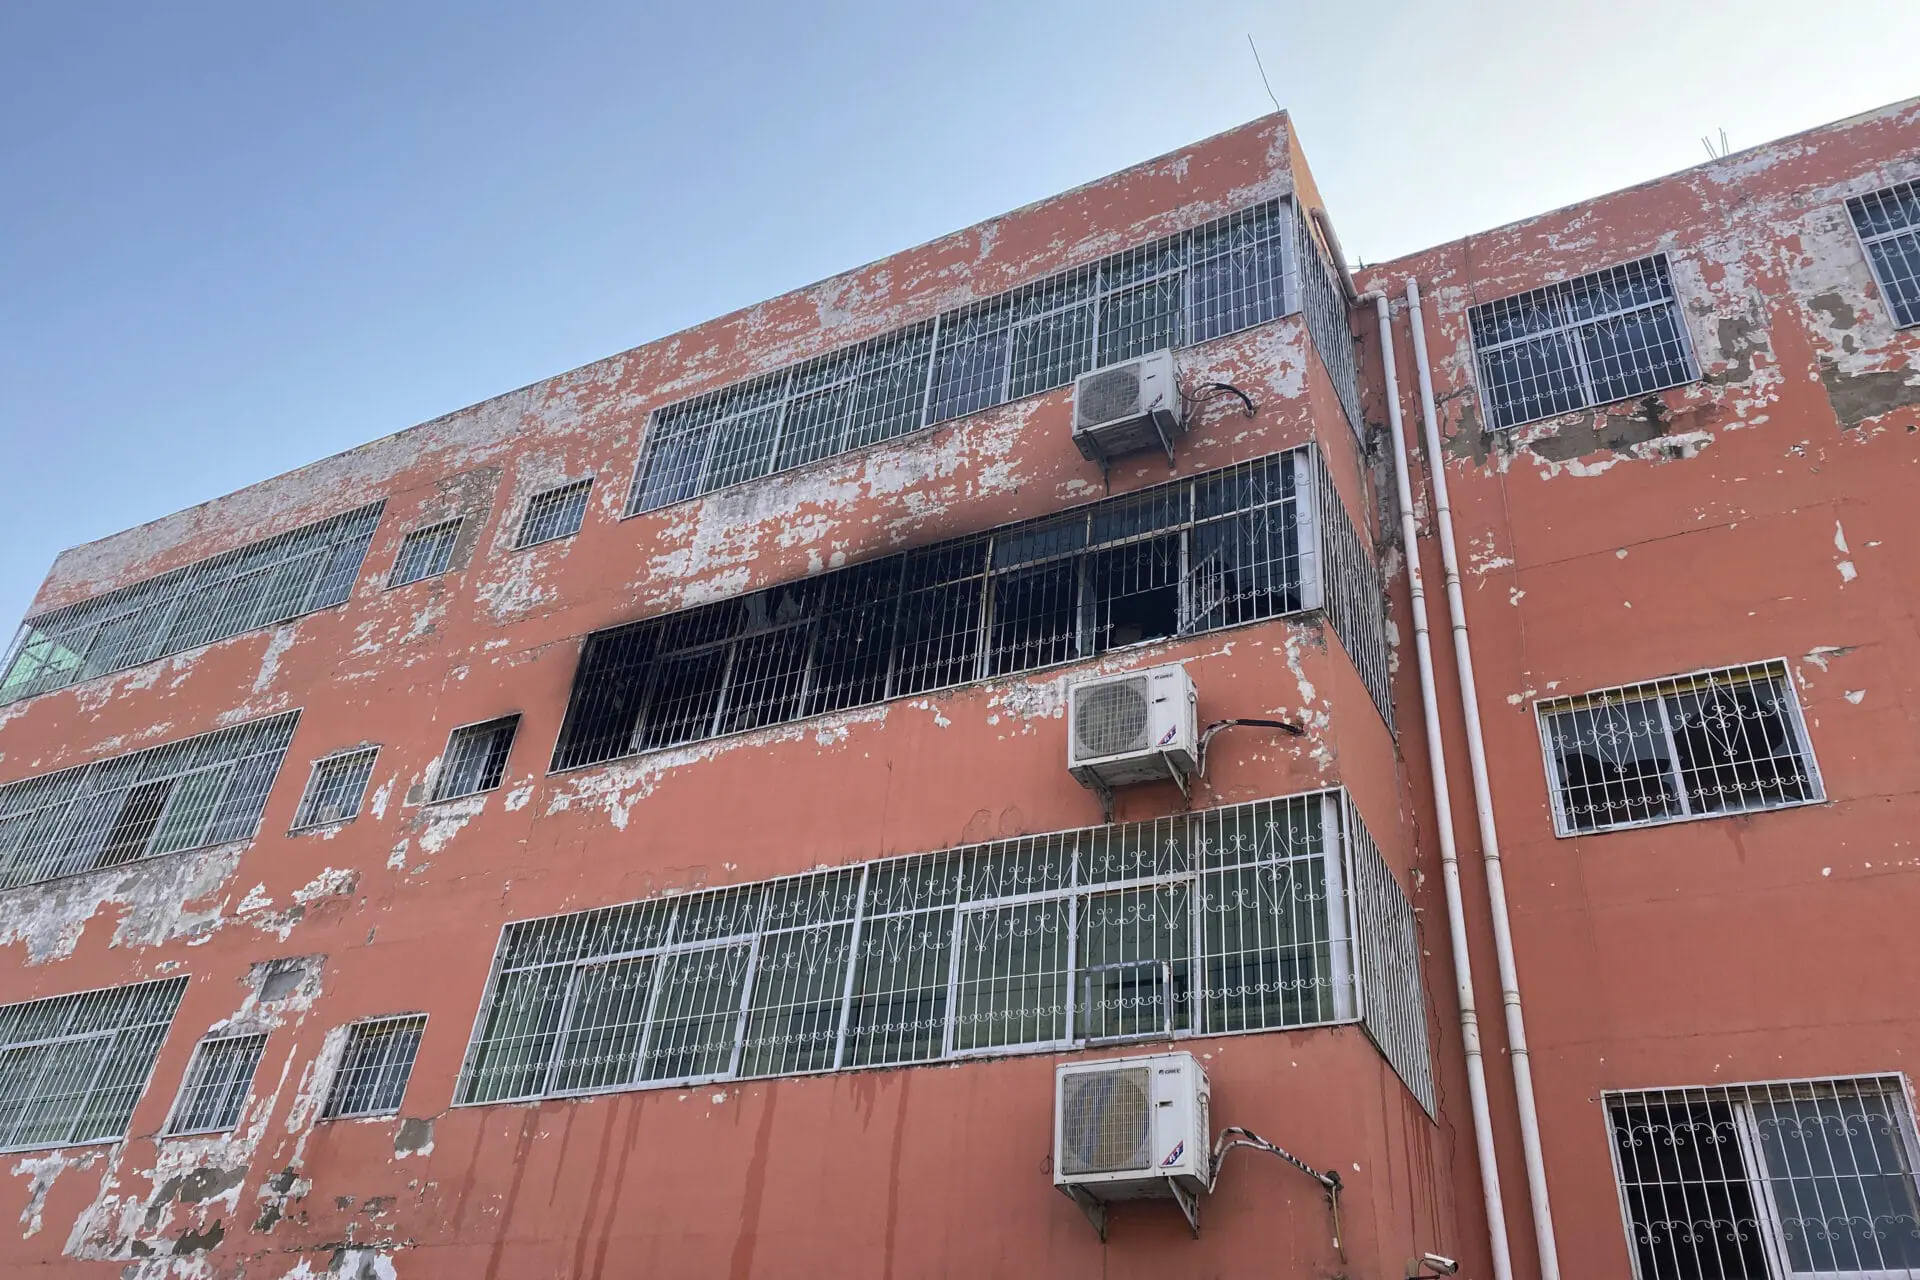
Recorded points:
(625, 827)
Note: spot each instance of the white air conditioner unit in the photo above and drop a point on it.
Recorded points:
(1127, 407)
(1132, 1129)
(1137, 727)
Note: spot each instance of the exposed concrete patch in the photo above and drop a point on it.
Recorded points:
(413, 1138)
(1859, 397)
(156, 894)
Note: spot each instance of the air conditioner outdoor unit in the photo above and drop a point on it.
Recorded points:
(1127, 407)
(1137, 727)
(1131, 1129)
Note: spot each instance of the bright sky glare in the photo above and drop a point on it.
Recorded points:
(236, 237)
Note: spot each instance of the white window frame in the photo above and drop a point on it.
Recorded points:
(188, 1083)
(451, 526)
(583, 483)
(1873, 266)
(1545, 708)
(327, 1108)
(302, 821)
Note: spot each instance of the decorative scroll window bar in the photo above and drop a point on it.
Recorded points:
(1889, 225)
(425, 553)
(335, 788)
(240, 590)
(1610, 335)
(217, 1082)
(180, 795)
(1230, 274)
(1769, 1181)
(375, 1067)
(1222, 549)
(73, 1067)
(1236, 920)
(1695, 746)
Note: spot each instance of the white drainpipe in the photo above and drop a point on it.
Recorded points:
(1443, 816)
(1483, 808)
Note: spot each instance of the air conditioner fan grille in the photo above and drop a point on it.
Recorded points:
(1109, 719)
(1108, 394)
(1106, 1121)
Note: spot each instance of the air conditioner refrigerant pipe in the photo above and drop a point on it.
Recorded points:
(1483, 807)
(1443, 816)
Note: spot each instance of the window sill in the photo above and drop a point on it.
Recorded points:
(1645, 823)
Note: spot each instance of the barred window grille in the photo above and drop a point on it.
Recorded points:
(1889, 225)
(1219, 550)
(1607, 336)
(1768, 1181)
(1216, 279)
(372, 1077)
(554, 514)
(240, 590)
(335, 788)
(179, 795)
(1696, 746)
(424, 553)
(73, 1067)
(1237, 920)
(1323, 305)
(217, 1082)
(476, 758)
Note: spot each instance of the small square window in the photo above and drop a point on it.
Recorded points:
(554, 514)
(476, 758)
(1889, 225)
(335, 788)
(1698, 746)
(424, 553)
(373, 1073)
(217, 1083)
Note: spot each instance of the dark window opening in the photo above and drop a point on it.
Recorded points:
(476, 758)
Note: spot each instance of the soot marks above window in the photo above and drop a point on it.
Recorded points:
(1727, 741)
(217, 1083)
(1607, 336)
(1227, 275)
(554, 514)
(1889, 225)
(335, 788)
(1211, 552)
(179, 795)
(476, 758)
(249, 587)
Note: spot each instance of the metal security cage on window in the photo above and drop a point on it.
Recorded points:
(180, 795)
(1888, 222)
(476, 758)
(1607, 336)
(1222, 549)
(1768, 1181)
(425, 553)
(554, 514)
(1693, 746)
(217, 1082)
(335, 788)
(73, 1067)
(250, 587)
(1236, 920)
(1228, 275)
(375, 1067)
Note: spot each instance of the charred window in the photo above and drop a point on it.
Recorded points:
(1215, 551)
(476, 758)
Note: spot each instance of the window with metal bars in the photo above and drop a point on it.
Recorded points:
(217, 1082)
(1888, 221)
(476, 758)
(1225, 548)
(176, 796)
(73, 1067)
(1216, 279)
(1768, 1181)
(241, 590)
(335, 788)
(1607, 336)
(372, 1077)
(554, 514)
(1231, 921)
(1696, 746)
(424, 553)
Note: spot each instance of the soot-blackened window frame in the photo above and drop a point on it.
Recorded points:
(1600, 338)
(276, 579)
(1224, 276)
(464, 746)
(1708, 744)
(1888, 224)
(1217, 550)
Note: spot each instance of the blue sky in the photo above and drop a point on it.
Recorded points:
(238, 237)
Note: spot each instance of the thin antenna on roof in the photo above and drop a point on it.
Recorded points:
(1263, 71)
(1722, 152)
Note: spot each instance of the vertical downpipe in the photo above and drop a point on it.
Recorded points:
(1483, 807)
(1443, 819)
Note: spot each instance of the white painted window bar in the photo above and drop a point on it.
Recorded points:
(554, 514)
(73, 1067)
(216, 1084)
(371, 1079)
(1888, 222)
(335, 788)
(425, 553)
